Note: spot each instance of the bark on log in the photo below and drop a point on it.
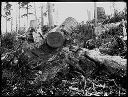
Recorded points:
(112, 61)
(56, 37)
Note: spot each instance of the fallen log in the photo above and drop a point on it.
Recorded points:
(112, 61)
(56, 37)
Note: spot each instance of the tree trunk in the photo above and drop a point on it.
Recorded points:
(110, 61)
(42, 19)
(11, 24)
(27, 15)
(16, 23)
(35, 11)
(95, 13)
(56, 37)
(19, 16)
(35, 16)
(50, 17)
(6, 25)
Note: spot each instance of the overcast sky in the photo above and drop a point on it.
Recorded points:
(77, 10)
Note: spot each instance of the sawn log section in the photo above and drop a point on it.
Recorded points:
(56, 37)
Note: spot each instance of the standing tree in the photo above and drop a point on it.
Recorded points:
(19, 13)
(44, 28)
(10, 19)
(125, 12)
(26, 6)
(35, 10)
(11, 23)
(16, 23)
(7, 10)
(42, 18)
(50, 15)
(95, 14)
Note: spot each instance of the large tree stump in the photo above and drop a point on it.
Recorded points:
(56, 37)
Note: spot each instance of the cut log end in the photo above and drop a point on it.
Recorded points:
(55, 39)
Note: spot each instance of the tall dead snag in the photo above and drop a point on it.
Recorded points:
(56, 37)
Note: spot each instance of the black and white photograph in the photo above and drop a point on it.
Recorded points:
(63, 48)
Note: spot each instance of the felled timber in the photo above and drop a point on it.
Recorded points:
(56, 37)
(112, 61)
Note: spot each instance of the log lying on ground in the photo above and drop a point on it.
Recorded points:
(111, 61)
(56, 37)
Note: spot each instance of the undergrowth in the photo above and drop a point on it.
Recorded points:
(19, 79)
